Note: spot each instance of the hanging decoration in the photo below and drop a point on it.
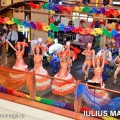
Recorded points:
(111, 26)
(43, 100)
(15, 20)
(38, 99)
(58, 103)
(117, 27)
(68, 9)
(61, 27)
(117, 39)
(85, 25)
(38, 26)
(96, 102)
(51, 19)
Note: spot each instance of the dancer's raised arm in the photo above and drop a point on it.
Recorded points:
(32, 47)
(83, 53)
(11, 45)
(93, 59)
(103, 61)
(116, 61)
(24, 44)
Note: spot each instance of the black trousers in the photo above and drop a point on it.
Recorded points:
(106, 2)
(85, 1)
(11, 49)
(0, 50)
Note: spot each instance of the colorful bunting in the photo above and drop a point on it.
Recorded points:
(68, 9)
(111, 31)
(37, 98)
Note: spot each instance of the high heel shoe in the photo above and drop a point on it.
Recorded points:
(114, 82)
(85, 78)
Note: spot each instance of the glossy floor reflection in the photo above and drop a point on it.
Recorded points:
(37, 110)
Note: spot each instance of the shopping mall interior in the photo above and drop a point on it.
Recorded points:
(59, 59)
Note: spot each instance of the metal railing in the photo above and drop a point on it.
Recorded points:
(77, 102)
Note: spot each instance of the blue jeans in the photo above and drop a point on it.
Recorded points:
(104, 74)
(54, 63)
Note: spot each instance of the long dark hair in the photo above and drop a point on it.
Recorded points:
(21, 47)
(40, 53)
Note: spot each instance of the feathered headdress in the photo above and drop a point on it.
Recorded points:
(98, 58)
(39, 46)
(21, 43)
(101, 59)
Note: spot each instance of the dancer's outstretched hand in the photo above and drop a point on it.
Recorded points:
(7, 41)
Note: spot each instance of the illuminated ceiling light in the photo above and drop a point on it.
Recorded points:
(116, 3)
(60, 3)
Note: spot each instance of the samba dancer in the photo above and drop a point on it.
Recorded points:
(108, 58)
(42, 83)
(64, 87)
(19, 49)
(117, 63)
(98, 65)
(67, 47)
(88, 60)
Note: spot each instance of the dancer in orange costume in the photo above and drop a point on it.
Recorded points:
(88, 60)
(70, 54)
(117, 63)
(42, 83)
(98, 65)
(76, 51)
(19, 49)
(64, 86)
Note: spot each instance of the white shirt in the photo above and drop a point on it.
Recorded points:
(3, 39)
(34, 42)
(108, 56)
(55, 48)
(13, 36)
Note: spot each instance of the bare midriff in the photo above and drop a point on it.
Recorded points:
(38, 61)
(64, 69)
(88, 56)
(19, 55)
(118, 61)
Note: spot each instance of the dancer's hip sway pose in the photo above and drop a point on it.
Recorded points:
(98, 66)
(88, 60)
(66, 85)
(19, 49)
(42, 82)
(108, 58)
(117, 63)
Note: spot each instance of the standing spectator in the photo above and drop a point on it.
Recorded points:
(0, 45)
(85, 1)
(6, 30)
(13, 38)
(4, 37)
(108, 58)
(106, 2)
(9, 30)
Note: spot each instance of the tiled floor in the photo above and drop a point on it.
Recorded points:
(31, 109)
(10, 115)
